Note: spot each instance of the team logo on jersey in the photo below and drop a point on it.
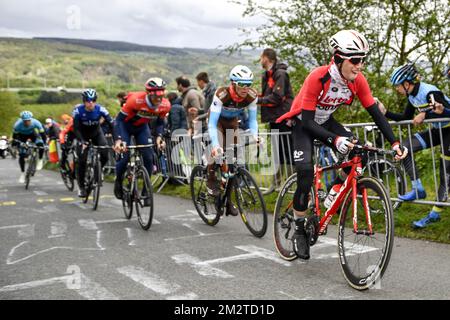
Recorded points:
(298, 156)
(334, 89)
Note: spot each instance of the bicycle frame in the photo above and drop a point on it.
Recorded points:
(349, 184)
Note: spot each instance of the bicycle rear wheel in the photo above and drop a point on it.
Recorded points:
(204, 203)
(250, 203)
(283, 220)
(127, 195)
(364, 256)
(144, 198)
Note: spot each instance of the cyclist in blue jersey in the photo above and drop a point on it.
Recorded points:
(28, 128)
(86, 126)
(435, 105)
(229, 103)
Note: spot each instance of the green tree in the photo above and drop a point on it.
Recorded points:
(397, 30)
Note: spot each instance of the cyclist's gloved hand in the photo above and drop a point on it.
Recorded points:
(119, 146)
(343, 144)
(402, 151)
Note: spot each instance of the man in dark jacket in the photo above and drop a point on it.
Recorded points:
(276, 99)
(177, 115)
(208, 88)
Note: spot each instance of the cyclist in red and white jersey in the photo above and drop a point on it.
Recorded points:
(325, 90)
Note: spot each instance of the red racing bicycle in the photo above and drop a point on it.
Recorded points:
(365, 223)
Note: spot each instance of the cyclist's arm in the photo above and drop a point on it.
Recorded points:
(252, 118)
(77, 128)
(214, 115)
(408, 114)
(119, 126)
(382, 123)
(316, 130)
(40, 131)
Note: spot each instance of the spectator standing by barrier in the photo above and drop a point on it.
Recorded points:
(208, 89)
(276, 100)
(193, 101)
(177, 115)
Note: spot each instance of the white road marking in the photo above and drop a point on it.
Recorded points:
(11, 261)
(88, 224)
(58, 228)
(191, 228)
(99, 234)
(40, 193)
(199, 236)
(27, 231)
(88, 288)
(130, 236)
(202, 269)
(14, 227)
(264, 253)
(149, 280)
(289, 295)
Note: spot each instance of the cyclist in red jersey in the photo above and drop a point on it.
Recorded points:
(139, 110)
(324, 90)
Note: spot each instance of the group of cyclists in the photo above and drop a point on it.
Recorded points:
(324, 90)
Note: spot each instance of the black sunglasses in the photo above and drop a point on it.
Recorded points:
(356, 61)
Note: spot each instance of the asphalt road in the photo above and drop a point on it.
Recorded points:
(54, 247)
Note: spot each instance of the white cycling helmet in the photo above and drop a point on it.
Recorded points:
(349, 44)
(241, 74)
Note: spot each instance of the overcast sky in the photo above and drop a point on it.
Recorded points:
(168, 23)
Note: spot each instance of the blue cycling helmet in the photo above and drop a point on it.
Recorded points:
(406, 72)
(89, 95)
(26, 115)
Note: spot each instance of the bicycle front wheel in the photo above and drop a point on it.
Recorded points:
(143, 198)
(97, 183)
(283, 220)
(127, 195)
(250, 203)
(204, 203)
(364, 254)
(66, 176)
(30, 171)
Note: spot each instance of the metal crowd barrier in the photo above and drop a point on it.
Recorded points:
(272, 163)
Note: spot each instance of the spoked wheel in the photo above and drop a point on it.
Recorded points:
(30, 171)
(127, 195)
(365, 255)
(88, 184)
(283, 220)
(204, 203)
(144, 198)
(391, 175)
(250, 203)
(67, 176)
(97, 183)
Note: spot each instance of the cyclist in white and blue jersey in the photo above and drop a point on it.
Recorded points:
(228, 104)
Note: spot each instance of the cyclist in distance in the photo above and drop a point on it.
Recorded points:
(325, 90)
(86, 125)
(28, 128)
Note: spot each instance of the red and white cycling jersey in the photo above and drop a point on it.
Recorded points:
(324, 91)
